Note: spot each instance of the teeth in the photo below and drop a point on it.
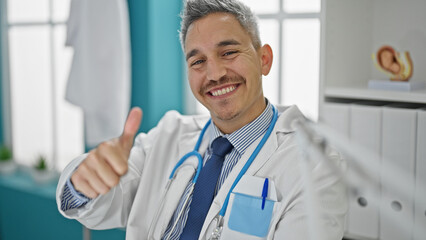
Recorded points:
(223, 91)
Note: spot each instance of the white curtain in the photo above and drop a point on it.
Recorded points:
(100, 76)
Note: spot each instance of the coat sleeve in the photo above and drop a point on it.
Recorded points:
(296, 222)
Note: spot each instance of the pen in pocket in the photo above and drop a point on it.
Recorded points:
(264, 192)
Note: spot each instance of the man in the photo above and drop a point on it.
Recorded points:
(121, 184)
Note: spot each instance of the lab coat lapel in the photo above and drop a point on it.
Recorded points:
(185, 173)
(188, 141)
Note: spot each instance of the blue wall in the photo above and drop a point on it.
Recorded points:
(28, 210)
(1, 91)
(156, 58)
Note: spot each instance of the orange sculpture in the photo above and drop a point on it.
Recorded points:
(390, 62)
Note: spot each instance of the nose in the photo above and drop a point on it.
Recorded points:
(215, 69)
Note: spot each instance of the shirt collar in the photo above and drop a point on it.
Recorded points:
(242, 138)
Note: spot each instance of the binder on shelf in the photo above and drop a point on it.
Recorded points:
(398, 149)
(420, 191)
(365, 130)
(336, 115)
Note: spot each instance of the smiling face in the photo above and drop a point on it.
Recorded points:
(225, 70)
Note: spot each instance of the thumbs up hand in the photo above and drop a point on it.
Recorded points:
(104, 165)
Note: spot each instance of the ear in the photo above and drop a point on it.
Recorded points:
(266, 58)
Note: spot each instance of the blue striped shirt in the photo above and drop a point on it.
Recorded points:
(72, 198)
(240, 139)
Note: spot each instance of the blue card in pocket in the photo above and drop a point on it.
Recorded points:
(248, 217)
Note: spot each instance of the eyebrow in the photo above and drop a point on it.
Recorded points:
(224, 43)
(228, 42)
(192, 53)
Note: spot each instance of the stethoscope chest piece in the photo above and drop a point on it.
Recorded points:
(217, 231)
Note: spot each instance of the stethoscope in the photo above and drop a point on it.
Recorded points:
(219, 218)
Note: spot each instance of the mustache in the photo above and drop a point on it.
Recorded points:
(223, 80)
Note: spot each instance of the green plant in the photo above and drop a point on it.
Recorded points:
(5, 154)
(41, 163)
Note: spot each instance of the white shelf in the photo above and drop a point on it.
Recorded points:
(376, 95)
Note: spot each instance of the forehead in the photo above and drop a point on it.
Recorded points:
(214, 28)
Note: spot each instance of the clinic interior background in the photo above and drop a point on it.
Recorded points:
(37, 120)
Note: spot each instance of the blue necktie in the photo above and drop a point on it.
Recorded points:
(204, 189)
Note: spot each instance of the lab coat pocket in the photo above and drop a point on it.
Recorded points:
(247, 215)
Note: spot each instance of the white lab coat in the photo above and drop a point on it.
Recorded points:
(99, 79)
(141, 205)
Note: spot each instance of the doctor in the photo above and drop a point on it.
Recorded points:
(242, 177)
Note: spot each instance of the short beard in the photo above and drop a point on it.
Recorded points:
(228, 116)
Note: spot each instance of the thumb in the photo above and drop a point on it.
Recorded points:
(131, 128)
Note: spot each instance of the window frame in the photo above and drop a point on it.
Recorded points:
(6, 115)
(280, 16)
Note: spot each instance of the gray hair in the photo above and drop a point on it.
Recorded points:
(196, 9)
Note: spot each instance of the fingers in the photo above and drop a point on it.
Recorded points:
(83, 186)
(104, 165)
(101, 170)
(113, 156)
(87, 182)
(131, 128)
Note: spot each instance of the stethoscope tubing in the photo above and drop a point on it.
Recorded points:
(193, 153)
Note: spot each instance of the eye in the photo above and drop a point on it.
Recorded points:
(197, 62)
(229, 53)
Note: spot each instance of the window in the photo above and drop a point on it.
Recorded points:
(292, 28)
(42, 122)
